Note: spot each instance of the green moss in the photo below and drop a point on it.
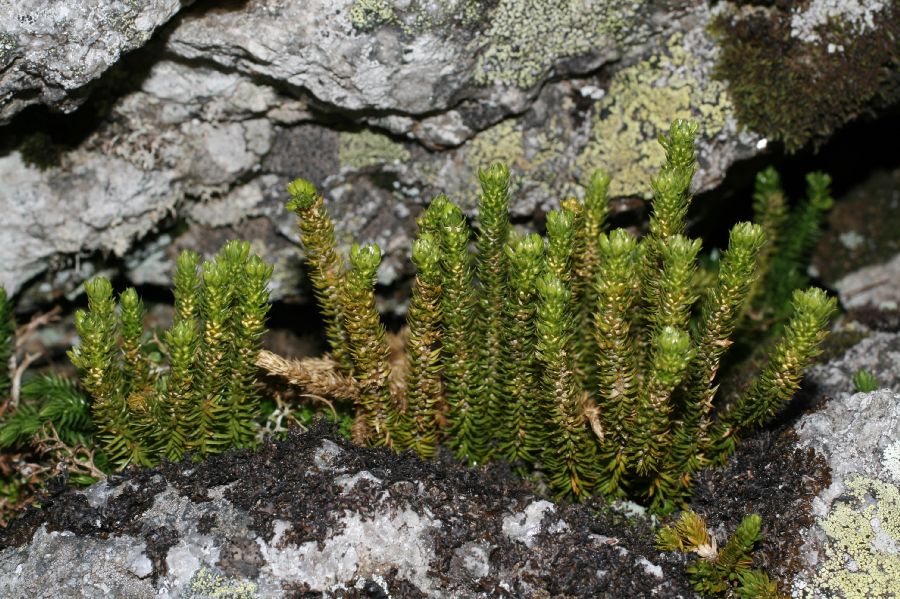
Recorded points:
(367, 148)
(639, 104)
(798, 91)
(863, 530)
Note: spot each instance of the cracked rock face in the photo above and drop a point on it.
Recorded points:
(50, 50)
(311, 515)
(381, 103)
(853, 549)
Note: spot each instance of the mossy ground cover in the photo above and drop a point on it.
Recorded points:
(840, 75)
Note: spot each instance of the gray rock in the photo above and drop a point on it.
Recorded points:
(414, 57)
(877, 285)
(382, 104)
(878, 354)
(51, 50)
(855, 544)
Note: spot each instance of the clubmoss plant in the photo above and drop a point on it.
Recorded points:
(725, 571)
(589, 357)
(864, 381)
(45, 422)
(205, 401)
(791, 235)
(423, 380)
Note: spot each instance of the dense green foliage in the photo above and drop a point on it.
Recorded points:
(205, 401)
(865, 382)
(589, 357)
(52, 399)
(725, 571)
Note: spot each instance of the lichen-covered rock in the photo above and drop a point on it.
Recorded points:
(50, 50)
(382, 104)
(853, 549)
(412, 58)
(311, 515)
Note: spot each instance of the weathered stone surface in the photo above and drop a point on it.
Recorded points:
(412, 58)
(50, 50)
(853, 550)
(382, 104)
(312, 515)
(877, 286)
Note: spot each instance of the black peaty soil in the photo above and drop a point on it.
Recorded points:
(767, 475)
(279, 482)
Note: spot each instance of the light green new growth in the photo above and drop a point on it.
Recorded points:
(206, 401)
(864, 381)
(579, 357)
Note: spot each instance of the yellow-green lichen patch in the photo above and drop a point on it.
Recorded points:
(368, 14)
(413, 18)
(526, 37)
(639, 105)
(215, 586)
(862, 549)
(534, 157)
(504, 142)
(367, 148)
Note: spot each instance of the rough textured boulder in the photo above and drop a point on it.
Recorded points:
(51, 50)
(311, 515)
(853, 548)
(381, 103)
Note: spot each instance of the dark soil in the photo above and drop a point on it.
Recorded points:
(766, 476)
(277, 482)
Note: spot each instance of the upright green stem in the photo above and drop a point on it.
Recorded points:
(369, 348)
(423, 380)
(326, 266)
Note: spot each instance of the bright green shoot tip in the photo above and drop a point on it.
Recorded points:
(303, 194)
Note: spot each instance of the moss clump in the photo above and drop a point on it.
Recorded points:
(797, 89)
